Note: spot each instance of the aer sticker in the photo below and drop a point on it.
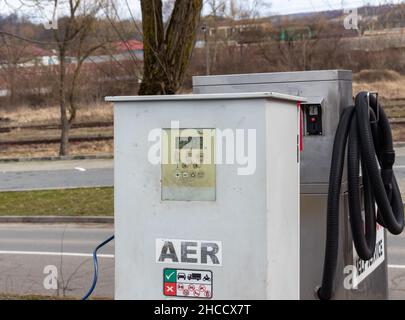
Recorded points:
(365, 268)
(192, 252)
(187, 283)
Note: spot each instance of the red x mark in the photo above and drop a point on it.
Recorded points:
(170, 289)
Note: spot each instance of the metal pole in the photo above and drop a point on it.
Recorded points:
(207, 50)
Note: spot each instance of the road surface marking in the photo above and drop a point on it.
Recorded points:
(396, 266)
(80, 169)
(64, 254)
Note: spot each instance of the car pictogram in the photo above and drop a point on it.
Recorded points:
(181, 275)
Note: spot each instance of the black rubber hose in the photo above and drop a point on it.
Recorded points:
(389, 202)
(365, 128)
(332, 224)
(364, 237)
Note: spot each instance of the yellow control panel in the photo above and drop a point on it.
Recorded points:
(188, 164)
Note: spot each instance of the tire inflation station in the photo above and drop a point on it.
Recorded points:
(242, 191)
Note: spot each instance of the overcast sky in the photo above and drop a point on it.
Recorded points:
(296, 6)
(277, 6)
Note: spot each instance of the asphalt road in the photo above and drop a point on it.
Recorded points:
(396, 263)
(26, 249)
(56, 174)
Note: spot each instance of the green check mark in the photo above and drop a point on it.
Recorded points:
(170, 275)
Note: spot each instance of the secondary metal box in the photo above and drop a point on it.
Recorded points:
(331, 91)
(234, 234)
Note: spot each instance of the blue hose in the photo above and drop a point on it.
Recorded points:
(95, 263)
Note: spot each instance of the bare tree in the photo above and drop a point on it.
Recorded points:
(167, 48)
(302, 45)
(14, 54)
(212, 39)
(76, 36)
(232, 26)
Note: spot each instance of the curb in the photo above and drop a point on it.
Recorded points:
(57, 219)
(59, 158)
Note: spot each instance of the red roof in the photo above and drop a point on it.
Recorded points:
(39, 52)
(129, 45)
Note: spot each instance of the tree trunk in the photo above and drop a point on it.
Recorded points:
(167, 54)
(65, 125)
(153, 38)
(12, 85)
(64, 139)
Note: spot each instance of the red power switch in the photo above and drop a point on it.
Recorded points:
(313, 116)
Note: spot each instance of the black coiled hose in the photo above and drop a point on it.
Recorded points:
(367, 132)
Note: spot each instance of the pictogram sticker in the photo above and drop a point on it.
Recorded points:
(187, 283)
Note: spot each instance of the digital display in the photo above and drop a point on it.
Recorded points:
(189, 143)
